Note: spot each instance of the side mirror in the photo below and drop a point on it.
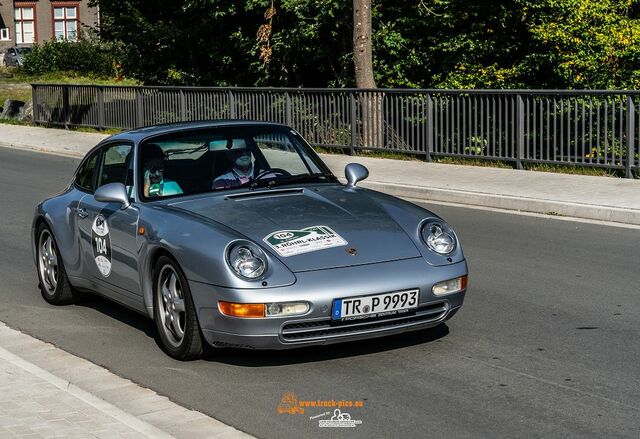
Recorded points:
(355, 172)
(113, 193)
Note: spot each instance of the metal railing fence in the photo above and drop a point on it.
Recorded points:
(581, 128)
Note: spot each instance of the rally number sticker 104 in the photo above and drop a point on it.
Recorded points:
(101, 243)
(379, 305)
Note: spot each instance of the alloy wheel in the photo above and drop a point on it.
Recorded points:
(170, 302)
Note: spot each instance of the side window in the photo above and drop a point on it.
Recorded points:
(115, 165)
(84, 177)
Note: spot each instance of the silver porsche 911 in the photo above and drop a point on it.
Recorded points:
(235, 233)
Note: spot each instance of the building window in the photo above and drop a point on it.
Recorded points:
(4, 34)
(25, 25)
(65, 23)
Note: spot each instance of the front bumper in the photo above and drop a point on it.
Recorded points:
(320, 288)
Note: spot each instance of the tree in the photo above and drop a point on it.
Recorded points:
(362, 49)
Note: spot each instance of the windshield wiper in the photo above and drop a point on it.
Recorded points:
(302, 178)
(278, 181)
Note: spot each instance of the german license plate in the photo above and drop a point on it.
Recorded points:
(378, 305)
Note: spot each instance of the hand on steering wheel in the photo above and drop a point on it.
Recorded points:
(276, 171)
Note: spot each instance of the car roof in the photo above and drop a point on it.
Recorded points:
(139, 134)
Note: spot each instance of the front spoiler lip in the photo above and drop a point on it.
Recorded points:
(439, 314)
(276, 342)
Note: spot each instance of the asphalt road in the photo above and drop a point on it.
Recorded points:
(547, 344)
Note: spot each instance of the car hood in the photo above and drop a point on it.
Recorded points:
(325, 226)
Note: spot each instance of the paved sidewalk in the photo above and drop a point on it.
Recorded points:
(594, 198)
(46, 392)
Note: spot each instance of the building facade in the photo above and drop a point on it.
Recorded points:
(23, 23)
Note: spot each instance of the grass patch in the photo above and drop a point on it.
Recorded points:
(369, 153)
(577, 170)
(13, 122)
(473, 162)
(18, 76)
(542, 167)
(15, 84)
(110, 131)
(390, 155)
(15, 92)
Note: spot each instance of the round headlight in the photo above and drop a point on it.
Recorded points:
(439, 238)
(246, 261)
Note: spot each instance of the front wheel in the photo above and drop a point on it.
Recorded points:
(54, 285)
(174, 312)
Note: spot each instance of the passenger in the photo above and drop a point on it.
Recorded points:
(155, 185)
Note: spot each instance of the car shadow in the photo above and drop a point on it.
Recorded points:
(312, 354)
(120, 313)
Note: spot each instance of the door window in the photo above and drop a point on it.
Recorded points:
(116, 165)
(84, 177)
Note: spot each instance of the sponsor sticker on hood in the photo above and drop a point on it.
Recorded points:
(310, 239)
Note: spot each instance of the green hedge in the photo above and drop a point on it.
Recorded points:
(88, 56)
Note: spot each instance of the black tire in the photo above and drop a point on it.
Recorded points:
(191, 345)
(56, 291)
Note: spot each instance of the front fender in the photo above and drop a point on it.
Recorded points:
(411, 219)
(198, 245)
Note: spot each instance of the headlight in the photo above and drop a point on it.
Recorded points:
(247, 261)
(439, 237)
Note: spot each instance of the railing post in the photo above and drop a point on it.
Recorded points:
(139, 109)
(429, 119)
(34, 100)
(183, 107)
(631, 135)
(287, 109)
(232, 105)
(354, 123)
(520, 132)
(66, 111)
(101, 122)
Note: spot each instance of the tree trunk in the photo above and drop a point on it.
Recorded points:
(362, 50)
(370, 102)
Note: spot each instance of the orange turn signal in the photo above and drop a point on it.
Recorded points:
(247, 310)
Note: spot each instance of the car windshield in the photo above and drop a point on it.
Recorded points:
(23, 51)
(226, 158)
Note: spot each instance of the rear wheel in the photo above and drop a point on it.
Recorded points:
(54, 285)
(175, 314)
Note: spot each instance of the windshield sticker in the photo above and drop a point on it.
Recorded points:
(101, 243)
(311, 239)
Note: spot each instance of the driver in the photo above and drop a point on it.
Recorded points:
(241, 170)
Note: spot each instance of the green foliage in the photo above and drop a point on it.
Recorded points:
(425, 44)
(585, 43)
(88, 56)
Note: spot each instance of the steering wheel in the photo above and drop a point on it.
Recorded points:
(277, 171)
